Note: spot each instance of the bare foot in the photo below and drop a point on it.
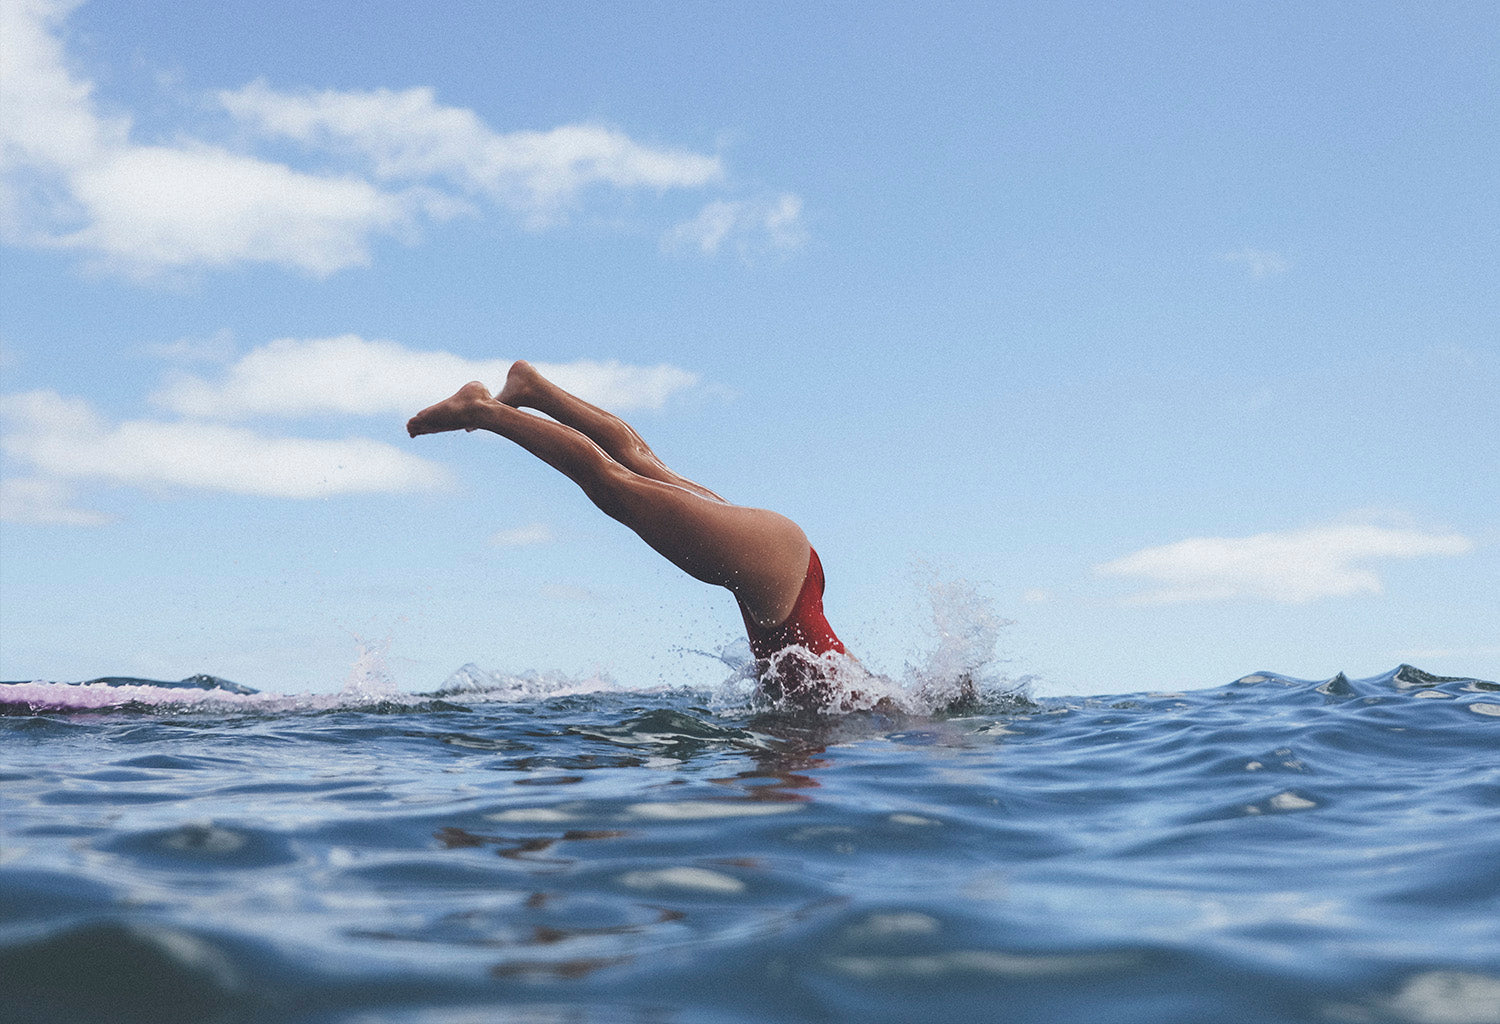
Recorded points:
(518, 384)
(459, 412)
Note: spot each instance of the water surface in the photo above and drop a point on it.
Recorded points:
(1270, 850)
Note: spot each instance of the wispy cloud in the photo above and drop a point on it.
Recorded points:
(1261, 263)
(382, 163)
(216, 348)
(353, 376)
(1295, 566)
(748, 226)
(409, 136)
(73, 177)
(64, 438)
(523, 536)
(147, 208)
(37, 500)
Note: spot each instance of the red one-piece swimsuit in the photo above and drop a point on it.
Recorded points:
(806, 628)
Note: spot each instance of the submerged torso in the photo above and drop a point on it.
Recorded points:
(791, 652)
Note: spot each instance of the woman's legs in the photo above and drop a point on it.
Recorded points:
(526, 388)
(758, 555)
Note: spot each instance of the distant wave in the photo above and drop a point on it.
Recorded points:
(1401, 678)
(471, 684)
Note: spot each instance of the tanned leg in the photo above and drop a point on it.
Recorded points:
(758, 555)
(526, 388)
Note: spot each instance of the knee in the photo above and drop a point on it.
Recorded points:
(614, 489)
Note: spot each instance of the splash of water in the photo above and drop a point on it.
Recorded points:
(470, 681)
(960, 672)
(965, 660)
(369, 677)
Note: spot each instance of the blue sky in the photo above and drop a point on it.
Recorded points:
(1170, 331)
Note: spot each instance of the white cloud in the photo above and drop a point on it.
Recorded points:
(749, 224)
(49, 121)
(1260, 262)
(408, 136)
(1293, 567)
(37, 500)
(64, 438)
(154, 207)
(216, 348)
(353, 376)
(72, 176)
(523, 536)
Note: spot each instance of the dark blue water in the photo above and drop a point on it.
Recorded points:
(1270, 850)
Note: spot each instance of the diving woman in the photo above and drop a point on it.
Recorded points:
(761, 557)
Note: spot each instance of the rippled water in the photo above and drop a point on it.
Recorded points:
(1271, 850)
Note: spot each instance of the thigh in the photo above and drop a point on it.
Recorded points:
(760, 555)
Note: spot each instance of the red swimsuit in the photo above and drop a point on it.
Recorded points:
(805, 628)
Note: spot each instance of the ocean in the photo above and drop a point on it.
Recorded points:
(548, 849)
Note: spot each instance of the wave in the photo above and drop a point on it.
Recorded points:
(924, 693)
(1401, 679)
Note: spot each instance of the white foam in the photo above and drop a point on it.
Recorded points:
(962, 664)
(698, 810)
(1290, 801)
(1448, 997)
(692, 879)
(470, 682)
(101, 696)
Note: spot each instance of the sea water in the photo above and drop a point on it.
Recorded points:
(543, 848)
